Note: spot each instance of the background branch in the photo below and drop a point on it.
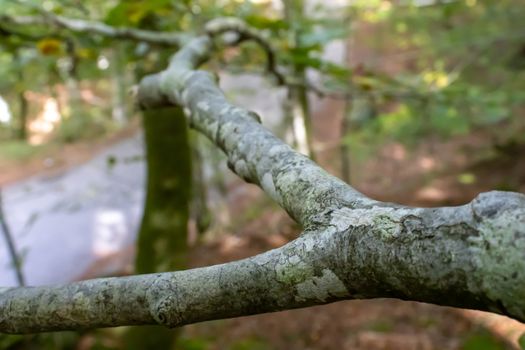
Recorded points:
(15, 257)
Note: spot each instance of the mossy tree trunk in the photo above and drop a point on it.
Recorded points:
(23, 105)
(162, 242)
(163, 232)
(23, 112)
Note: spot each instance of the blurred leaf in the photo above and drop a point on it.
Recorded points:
(49, 46)
(467, 178)
(263, 22)
(303, 59)
(250, 344)
(184, 343)
(521, 341)
(482, 341)
(321, 37)
(381, 326)
(7, 340)
(133, 12)
(446, 120)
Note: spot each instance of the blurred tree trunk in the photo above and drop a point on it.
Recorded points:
(22, 114)
(345, 147)
(23, 105)
(162, 242)
(163, 232)
(297, 107)
(345, 151)
(75, 122)
(119, 110)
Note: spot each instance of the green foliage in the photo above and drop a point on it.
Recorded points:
(8, 342)
(185, 343)
(382, 326)
(56, 341)
(521, 341)
(457, 64)
(79, 127)
(132, 13)
(482, 340)
(20, 150)
(251, 344)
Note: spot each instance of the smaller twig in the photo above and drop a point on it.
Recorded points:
(236, 25)
(246, 33)
(86, 26)
(11, 245)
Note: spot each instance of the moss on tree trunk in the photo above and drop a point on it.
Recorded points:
(162, 237)
(162, 242)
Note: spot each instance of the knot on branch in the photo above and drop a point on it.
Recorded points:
(163, 304)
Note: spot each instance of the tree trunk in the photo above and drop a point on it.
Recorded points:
(345, 147)
(23, 106)
(163, 232)
(119, 110)
(162, 242)
(22, 116)
(297, 107)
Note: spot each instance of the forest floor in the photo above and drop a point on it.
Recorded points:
(437, 172)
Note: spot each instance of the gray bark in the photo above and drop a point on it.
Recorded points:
(471, 256)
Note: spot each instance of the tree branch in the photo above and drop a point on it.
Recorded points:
(15, 257)
(172, 39)
(470, 256)
(231, 24)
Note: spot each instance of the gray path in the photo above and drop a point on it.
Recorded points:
(62, 224)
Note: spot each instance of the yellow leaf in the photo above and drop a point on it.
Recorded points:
(49, 46)
(85, 53)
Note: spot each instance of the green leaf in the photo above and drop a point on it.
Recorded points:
(263, 22)
(303, 59)
(319, 38)
(521, 341)
(482, 340)
(7, 341)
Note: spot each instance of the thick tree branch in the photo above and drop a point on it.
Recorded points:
(471, 256)
(261, 284)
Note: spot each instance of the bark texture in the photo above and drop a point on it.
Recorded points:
(471, 256)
